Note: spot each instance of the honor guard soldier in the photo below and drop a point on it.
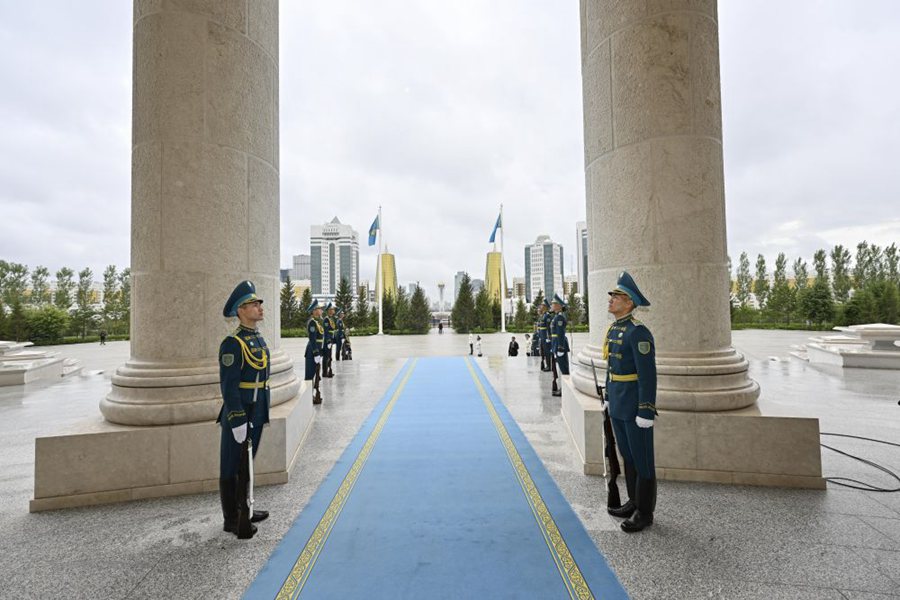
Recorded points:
(243, 376)
(339, 334)
(544, 328)
(559, 341)
(630, 353)
(330, 325)
(315, 333)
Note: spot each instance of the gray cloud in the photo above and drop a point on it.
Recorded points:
(440, 112)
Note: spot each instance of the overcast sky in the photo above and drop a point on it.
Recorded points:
(441, 111)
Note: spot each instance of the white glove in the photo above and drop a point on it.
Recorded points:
(643, 423)
(239, 433)
(603, 405)
(560, 354)
(318, 359)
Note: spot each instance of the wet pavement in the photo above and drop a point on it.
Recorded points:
(708, 541)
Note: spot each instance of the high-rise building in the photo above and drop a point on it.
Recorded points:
(518, 287)
(570, 284)
(493, 274)
(477, 284)
(457, 281)
(334, 255)
(581, 255)
(543, 268)
(301, 269)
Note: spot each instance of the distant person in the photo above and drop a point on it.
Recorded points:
(527, 345)
(471, 344)
(440, 327)
(102, 337)
(478, 344)
(513, 347)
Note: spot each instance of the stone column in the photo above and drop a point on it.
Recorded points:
(655, 192)
(205, 202)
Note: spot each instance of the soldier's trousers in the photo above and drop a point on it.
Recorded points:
(310, 371)
(636, 446)
(337, 350)
(563, 363)
(230, 450)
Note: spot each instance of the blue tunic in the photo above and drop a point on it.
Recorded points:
(315, 342)
(244, 366)
(631, 370)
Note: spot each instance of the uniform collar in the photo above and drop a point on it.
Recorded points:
(245, 329)
(624, 319)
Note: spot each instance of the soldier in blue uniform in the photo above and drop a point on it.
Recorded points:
(315, 334)
(243, 376)
(330, 325)
(630, 353)
(339, 334)
(544, 327)
(559, 341)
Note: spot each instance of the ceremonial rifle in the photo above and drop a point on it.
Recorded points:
(612, 498)
(245, 475)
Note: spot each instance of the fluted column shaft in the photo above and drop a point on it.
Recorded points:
(655, 191)
(205, 201)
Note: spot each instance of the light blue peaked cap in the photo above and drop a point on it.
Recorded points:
(626, 285)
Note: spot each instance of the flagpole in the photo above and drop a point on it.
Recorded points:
(380, 269)
(502, 275)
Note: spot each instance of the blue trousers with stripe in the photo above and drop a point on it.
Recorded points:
(636, 446)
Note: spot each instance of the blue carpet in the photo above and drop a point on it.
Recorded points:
(439, 495)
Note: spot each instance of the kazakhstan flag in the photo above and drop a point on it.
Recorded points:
(497, 225)
(373, 231)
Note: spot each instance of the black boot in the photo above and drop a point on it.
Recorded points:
(227, 495)
(646, 504)
(627, 509)
(259, 515)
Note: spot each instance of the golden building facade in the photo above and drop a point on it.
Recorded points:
(493, 274)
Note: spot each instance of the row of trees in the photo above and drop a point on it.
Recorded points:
(837, 290)
(479, 312)
(402, 312)
(30, 311)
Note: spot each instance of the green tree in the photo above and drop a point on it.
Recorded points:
(520, 321)
(389, 306)
(538, 300)
(801, 274)
(861, 308)
(744, 281)
(820, 265)
(761, 283)
(887, 301)
(124, 309)
(65, 288)
(84, 305)
(782, 298)
(40, 286)
(891, 266)
(816, 302)
(361, 315)
(419, 313)
(47, 323)
(17, 323)
(463, 312)
(343, 299)
(575, 311)
(496, 314)
(110, 308)
(290, 312)
(484, 317)
(840, 273)
(305, 300)
(15, 283)
(401, 308)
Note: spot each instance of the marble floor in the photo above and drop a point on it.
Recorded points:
(708, 541)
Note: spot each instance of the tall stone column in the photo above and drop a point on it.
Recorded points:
(205, 202)
(655, 192)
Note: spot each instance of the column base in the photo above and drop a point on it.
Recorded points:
(163, 394)
(741, 447)
(102, 463)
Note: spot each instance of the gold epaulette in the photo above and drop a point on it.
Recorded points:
(257, 363)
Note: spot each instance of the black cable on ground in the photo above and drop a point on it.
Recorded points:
(868, 487)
